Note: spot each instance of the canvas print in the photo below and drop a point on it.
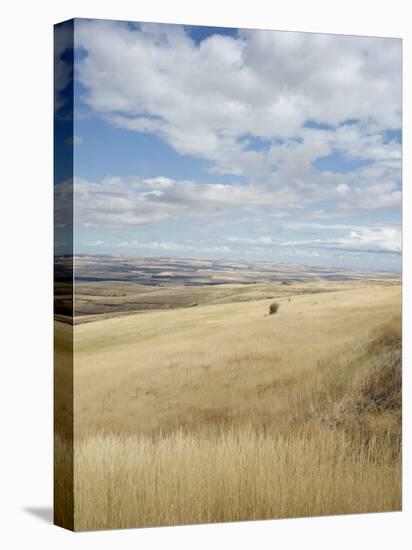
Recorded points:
(227, 274)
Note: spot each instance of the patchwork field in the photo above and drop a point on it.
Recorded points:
(110, 286)
(224, 412)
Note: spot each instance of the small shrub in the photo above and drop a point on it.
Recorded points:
(273, 308)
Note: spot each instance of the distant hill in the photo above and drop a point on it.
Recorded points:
(164, 270)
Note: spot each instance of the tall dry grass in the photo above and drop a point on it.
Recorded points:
(238, 475)
(237, 415)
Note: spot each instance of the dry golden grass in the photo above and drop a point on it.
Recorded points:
(223, 412)
(239, 475)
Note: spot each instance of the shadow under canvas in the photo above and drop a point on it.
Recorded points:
(44, 513)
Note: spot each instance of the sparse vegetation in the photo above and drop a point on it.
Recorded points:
(226, 419)
(135, 290)
(274, 307)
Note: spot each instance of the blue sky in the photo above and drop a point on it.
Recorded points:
(222, 143)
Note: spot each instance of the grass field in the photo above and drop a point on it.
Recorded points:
(222, 412)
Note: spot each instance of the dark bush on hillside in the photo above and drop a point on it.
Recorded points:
(273, 308)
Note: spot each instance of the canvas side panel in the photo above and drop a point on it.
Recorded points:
(63, 275)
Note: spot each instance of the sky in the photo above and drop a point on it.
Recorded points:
(207, 142)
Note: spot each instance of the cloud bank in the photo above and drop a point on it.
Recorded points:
(307, 126)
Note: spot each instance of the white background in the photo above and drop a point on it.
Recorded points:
(26, 272)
